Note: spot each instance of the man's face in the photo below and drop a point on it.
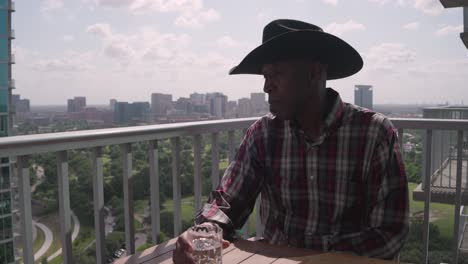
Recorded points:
(288, 85)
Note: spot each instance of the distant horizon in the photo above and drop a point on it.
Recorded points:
(129, 49)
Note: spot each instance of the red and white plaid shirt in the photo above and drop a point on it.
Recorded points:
(346, 191)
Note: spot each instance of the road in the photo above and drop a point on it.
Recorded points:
(47, 241)
(76, 230)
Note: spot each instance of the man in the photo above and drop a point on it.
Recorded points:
(330, 174)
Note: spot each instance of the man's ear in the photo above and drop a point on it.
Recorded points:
(316, 71)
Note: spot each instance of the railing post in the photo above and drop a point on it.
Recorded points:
(214, 160)
(197, 172)
(458, 187)
(427, 195)
(154, 191)
(128, 198)
(25, 208)
(98, 193)
(176, 185)
(231, 148)
(64, 207)
(258, 222)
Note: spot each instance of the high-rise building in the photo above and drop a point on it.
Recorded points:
(184, 105)
(7, 254)
(161, 103)
(217, 104)
(76, 104)
(198, 99)
(258, 103)
(112, 104)
(363, 96)
(125, 112)
(244, 108)
(20, 105)
(23, 106)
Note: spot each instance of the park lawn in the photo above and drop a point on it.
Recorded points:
(139, 206)
(443, 213)
(188, 211)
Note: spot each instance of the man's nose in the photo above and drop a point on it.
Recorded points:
(267, 86)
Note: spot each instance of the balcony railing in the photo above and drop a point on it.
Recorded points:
(12, 6)
(21, 147)
(12, 84)
(12, 34)
(12, 59)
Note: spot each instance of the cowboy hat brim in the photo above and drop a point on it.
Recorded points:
(341, 59)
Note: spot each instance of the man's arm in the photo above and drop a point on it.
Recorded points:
(233, 200)
(387, 223)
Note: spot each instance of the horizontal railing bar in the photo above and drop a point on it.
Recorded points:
(51, 142)
(433, 124)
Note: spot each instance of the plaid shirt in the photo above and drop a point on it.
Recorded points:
(345, 191)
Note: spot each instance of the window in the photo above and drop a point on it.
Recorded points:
(3, 125)
(4, 51)
(4, 177)
(4, 75)
(6, 226)
(3, 101)
(4, 27)
(5, 203)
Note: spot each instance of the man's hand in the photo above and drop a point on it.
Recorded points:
(183, 251)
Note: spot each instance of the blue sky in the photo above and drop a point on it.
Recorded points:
(128, 49)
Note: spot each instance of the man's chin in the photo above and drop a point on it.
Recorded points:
(280, 116)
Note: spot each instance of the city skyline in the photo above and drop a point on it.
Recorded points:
(127, 49)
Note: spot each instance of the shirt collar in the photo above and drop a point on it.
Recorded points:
(334, 114)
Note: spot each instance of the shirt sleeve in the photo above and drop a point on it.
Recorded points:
(387, 221)
(233, 200)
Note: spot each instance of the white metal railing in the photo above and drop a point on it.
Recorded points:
(462, 228)
(23, 146)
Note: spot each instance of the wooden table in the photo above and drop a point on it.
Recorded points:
(253, 252)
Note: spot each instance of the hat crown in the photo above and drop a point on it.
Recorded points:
(282, 26)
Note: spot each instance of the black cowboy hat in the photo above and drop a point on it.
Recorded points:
(285, 39)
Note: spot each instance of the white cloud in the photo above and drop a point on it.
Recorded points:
(197, 19)
(114, 3)
(51, 5)
(331, 2)
(72, 62)
(149, 50)
(191, 13)
(342, 28)
(145, 6)
(68, 38)
(101, 30)
(262, 17)
(430, 7)
(388, 56)
(227, 41)
(118, 50)
(447, 30)
(411, 26)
